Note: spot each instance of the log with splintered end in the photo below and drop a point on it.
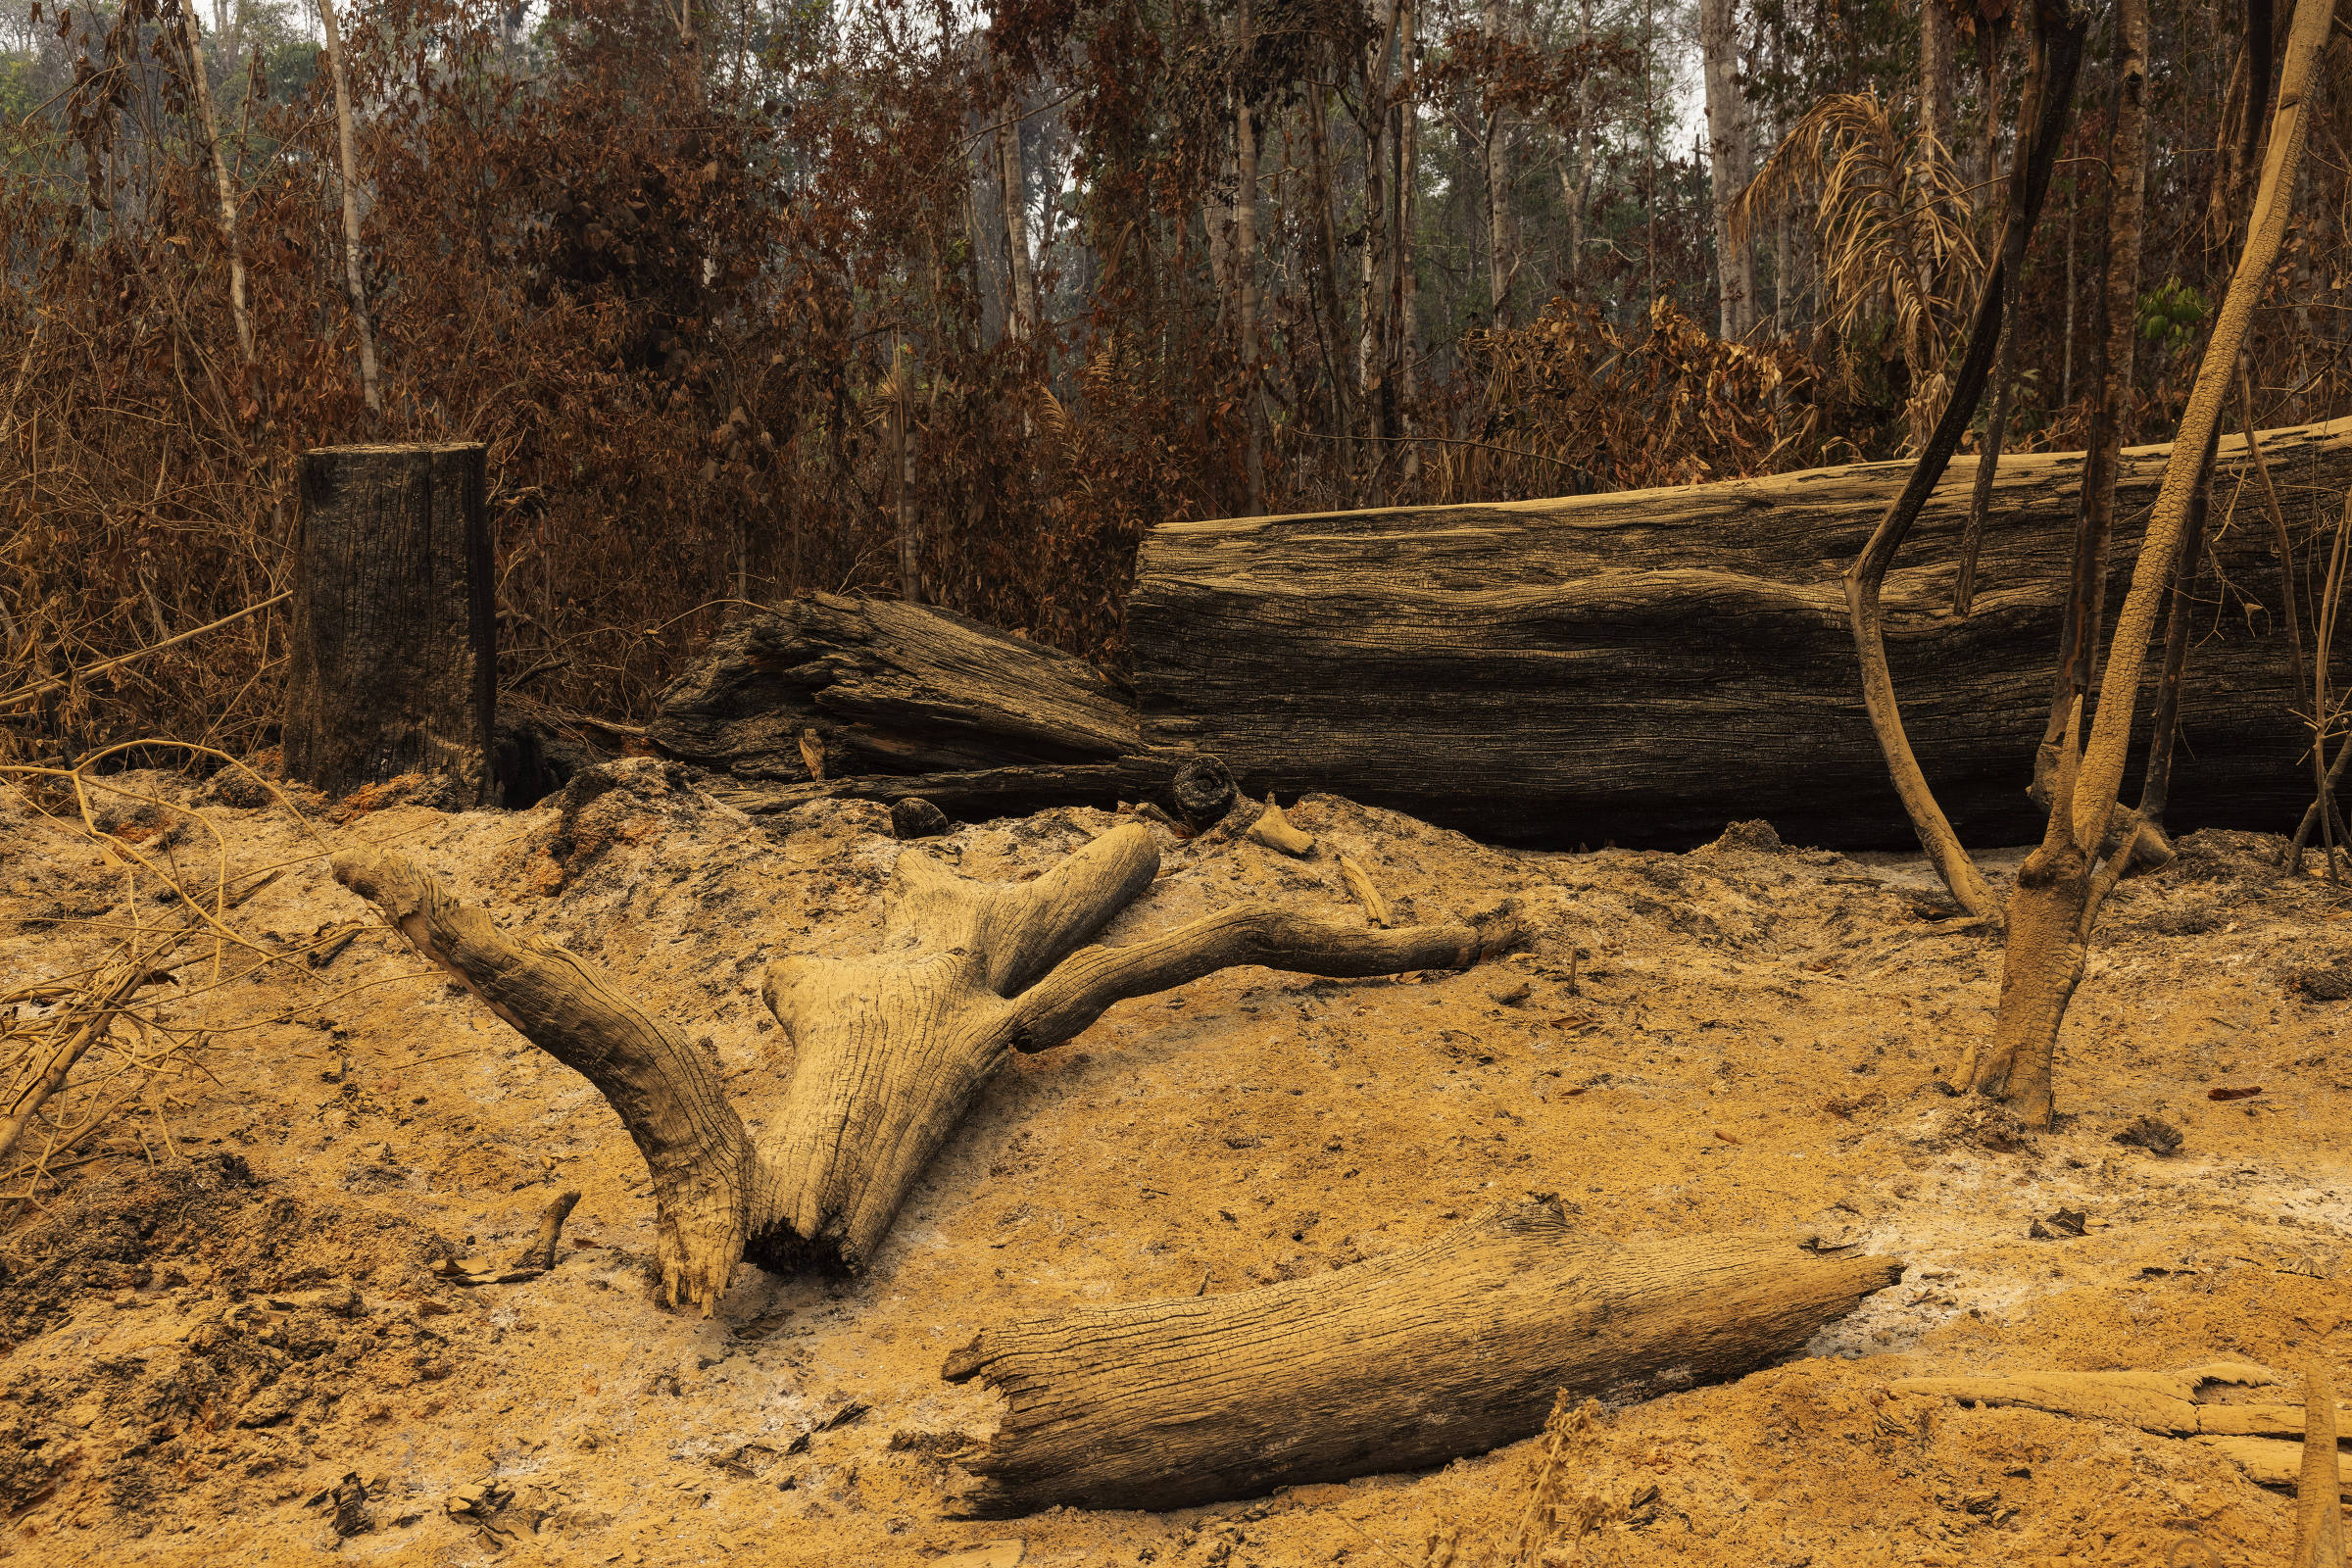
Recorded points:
(1400, 1363)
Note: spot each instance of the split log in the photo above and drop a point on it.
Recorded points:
(888, 1052)
(392, 663)
(1652, 664)
(1404, 1362)
(881, 687)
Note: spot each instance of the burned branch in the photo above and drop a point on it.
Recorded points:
(890, 1051)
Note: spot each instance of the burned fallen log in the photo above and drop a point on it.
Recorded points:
(828, 688)
(875, 700)
(1652, 664)
(1400, 1363)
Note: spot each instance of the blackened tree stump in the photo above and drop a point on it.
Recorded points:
(393, 662)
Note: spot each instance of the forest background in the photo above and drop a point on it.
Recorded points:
(749, 300)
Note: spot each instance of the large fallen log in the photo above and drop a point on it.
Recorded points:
(1448, 1349)
(1651, 665)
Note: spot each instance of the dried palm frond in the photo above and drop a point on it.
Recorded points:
(1895, 225)
(1571, 394)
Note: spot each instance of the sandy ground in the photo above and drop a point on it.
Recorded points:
(203, 1339)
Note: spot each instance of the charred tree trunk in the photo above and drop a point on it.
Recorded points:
(827, 689)
(393, 659)
(1400, 1363)
(1572, 670)
(1730, 151)
(888, 1052)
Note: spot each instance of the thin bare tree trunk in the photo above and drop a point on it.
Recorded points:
(1327, 275)
(1021, 318)
(901, 447)
(2066, 374)
(1578, 190)
(1939, 71)
(2114, 346)
(2059, 891)
(1372, 335)
(2014, 236)
(2103, 759)
(2156, 789)
(1731, 152)
(1862, 580)
(222, 185)
(334, 45)
(1409, 281)
(1501, 261)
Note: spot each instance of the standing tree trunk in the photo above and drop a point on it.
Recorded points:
(2059, 891)
(1371, 356)
(1020, 317)
(902, 454)
(333, 49)
(2039, 141)
(1501, 253)
(1730, 153)
(888, 1052)
(2015, 234)
(392, 663)
(1576, 176)
(1343, 385)
(1407, 284)
(225, 187)
(1939, 71)
(2114, 343)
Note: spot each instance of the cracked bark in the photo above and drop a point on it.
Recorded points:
(1400, 1363)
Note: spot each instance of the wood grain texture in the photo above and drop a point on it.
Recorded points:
(887, 688)
(889, 1051)
(1652, 664)
(709, 1177)
(1404, 1362)
(392, 663)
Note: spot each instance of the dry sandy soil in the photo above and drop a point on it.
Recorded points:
(200, 1341)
